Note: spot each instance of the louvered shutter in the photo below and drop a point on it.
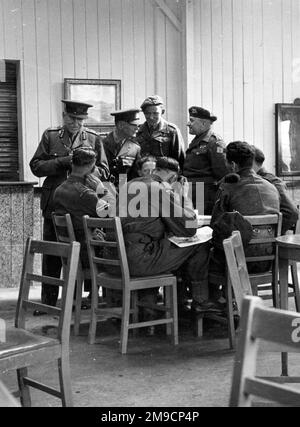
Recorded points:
(9, 153)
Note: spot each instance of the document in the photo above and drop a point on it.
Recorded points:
(204, 234)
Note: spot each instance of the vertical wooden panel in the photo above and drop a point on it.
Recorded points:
(55, 60)
(67, 39)
(139, 46)
(287, 50)
(258, 75)
(160, 51)
(2, 31)
(227, 71)
(30, 131)
(173, 99)
(296, 48)
(196, 56)
(206, 53)
(128, 57)
(104, 39)
(217, 64)
(12, 28)
(43, 66)
(149, 50)
(238, 112)
(117, 49)
(80, 39)
(248, 70)
(92, 38)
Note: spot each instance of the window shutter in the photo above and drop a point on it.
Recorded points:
(9, 153)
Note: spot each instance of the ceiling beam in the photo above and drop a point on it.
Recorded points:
(169, 14)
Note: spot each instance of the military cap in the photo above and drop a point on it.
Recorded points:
(152, 100)
(131, 115)
(201, 113)
(76, 108)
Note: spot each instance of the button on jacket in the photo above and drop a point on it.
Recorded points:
(122, 157)
(165, 141)
(52, 160)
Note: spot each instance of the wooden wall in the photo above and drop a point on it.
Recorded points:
(131, 40)
(243, 56)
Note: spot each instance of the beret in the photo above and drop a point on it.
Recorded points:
(201, 113)
(152, 100)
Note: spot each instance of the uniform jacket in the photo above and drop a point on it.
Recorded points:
(148, 250)
(205, 158)
(121, 159)
(287, 207)
(52, 160)
(165, 141)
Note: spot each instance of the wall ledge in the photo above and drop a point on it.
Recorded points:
(15, 183)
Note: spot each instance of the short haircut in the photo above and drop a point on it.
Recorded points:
(83, 156)
(259, 156)
(168, 163)
(144, 160)
(241, 153)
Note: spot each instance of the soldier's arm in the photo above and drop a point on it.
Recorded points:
(101, 162)
(217, 159)
(44, 164)
(221, 205)
(178, 148)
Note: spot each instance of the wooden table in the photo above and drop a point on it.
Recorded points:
(288, 250)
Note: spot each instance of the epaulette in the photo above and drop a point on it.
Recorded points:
(92, 131)
(232, 178)
(54, 129)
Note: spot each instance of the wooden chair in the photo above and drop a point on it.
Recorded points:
(128, 285)
(23, 349)
(274, 327)
(294, 285)
(65, 234)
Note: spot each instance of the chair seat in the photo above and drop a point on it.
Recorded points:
(115, 282)
(19, 340)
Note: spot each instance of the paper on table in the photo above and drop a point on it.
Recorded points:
(203, 235)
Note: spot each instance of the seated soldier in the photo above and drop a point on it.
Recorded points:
(287, 207)
(82, 194)
(146, 165)
(248, 194)
(147, 222)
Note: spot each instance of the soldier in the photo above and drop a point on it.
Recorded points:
(205, 158)
(287, 207)
(52, 160)
(156, 136)
(121, 148)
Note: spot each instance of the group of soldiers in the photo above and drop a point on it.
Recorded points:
(76, 162)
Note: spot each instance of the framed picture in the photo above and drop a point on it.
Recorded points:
(288, 139)
(104, 95)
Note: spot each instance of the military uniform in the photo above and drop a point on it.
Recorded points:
(205, 162)
(122, 157)
(52, 160)
(287, 207)
(165, 141)
(249, 194)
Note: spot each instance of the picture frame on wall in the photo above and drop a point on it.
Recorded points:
(287, 132)
(104, 95)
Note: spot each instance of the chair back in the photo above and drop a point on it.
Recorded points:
(108, 251)
(63, 228)
(30, 273)
(237, 267)
(277, 328)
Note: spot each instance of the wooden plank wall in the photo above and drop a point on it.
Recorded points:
(130, 40)
(246, 59)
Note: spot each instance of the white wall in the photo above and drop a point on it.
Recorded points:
(130, 40)
(245, 57)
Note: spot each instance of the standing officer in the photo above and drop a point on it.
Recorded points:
(205, 158)
(52, 160)
(156, 136)
(121, 148)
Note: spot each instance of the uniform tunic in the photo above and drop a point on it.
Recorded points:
(122, 157)
(287, 207)
(250, 195)
(149, 251)
(205, 162)
(52, 160)
(165, 141)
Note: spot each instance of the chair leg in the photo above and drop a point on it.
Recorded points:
(24, 389)
(169, 302)
(65, 381)
(275, 290)
(135, 312)
(174, 312)
(125, 320)
(93, 321)
(296, 284)
(79, 283)
(229, 308)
